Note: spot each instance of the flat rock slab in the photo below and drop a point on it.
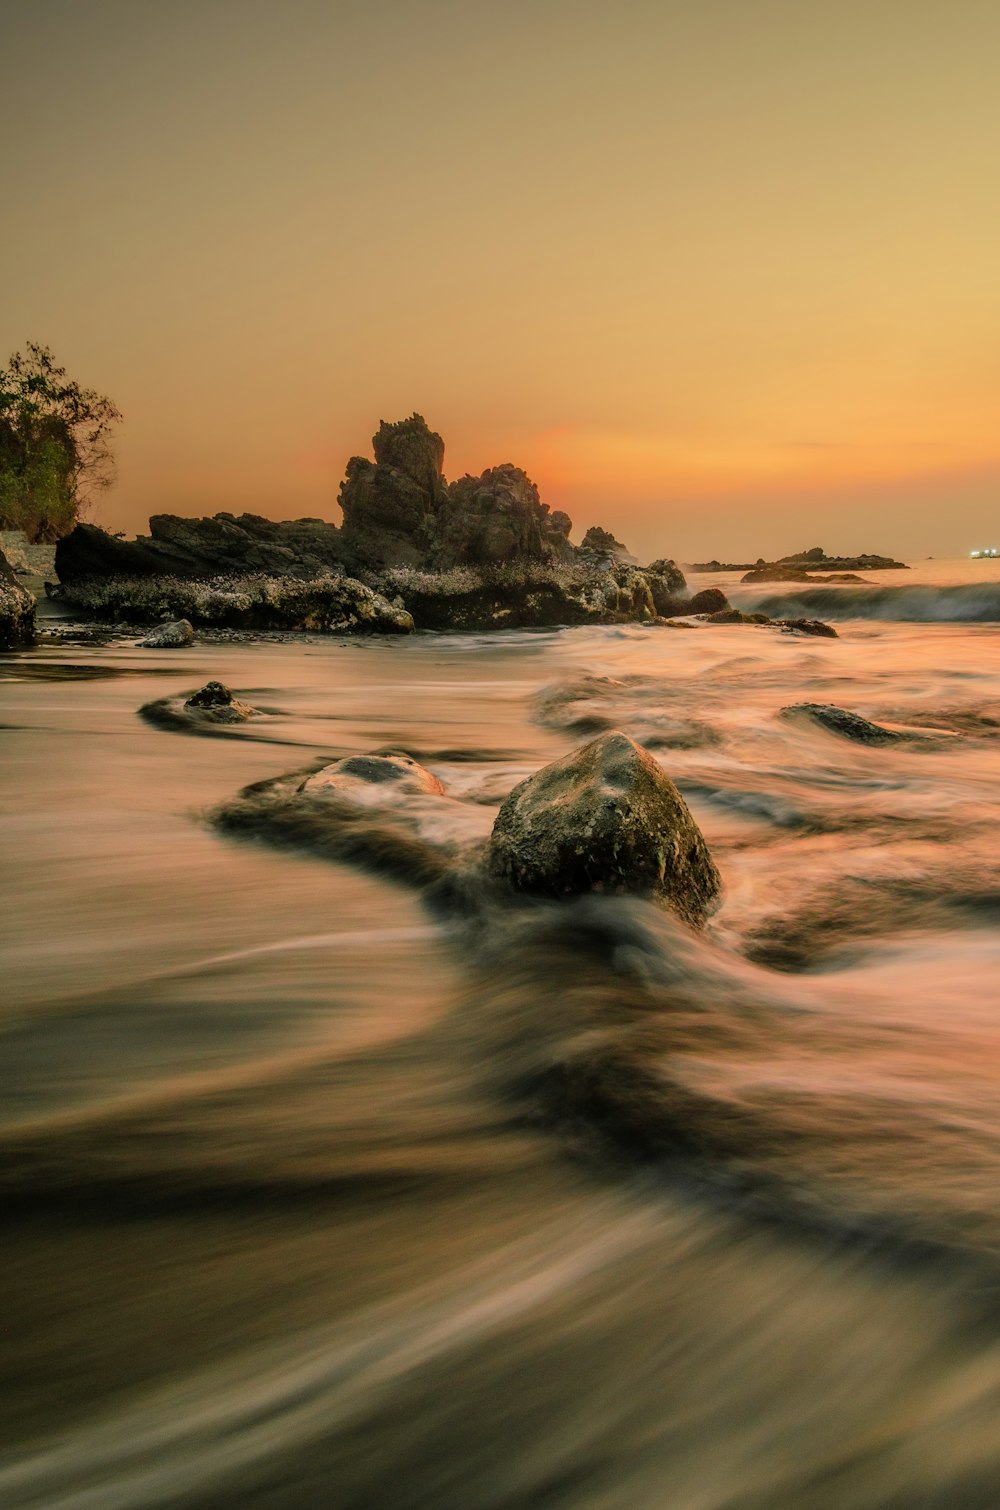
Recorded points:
(605, 818)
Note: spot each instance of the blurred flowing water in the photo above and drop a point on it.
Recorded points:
(317, 1194)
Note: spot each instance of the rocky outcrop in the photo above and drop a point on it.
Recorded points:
(604, 818)
(480, 553)
(814, 559)
(199, 549)
(533, 596)
(499, 518)
(391, 505)
(337, 605)
(17, 609)
(841, 721)
(399, 511)
(171, 636)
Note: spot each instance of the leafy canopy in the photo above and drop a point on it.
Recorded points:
(55, 444)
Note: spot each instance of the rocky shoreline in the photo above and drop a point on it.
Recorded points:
(413, 552)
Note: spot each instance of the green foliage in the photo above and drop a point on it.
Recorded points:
(55, 445)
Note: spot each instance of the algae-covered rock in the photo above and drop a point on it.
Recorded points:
(604, 818)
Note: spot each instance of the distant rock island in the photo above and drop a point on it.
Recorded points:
(797, 568)
(413, 551)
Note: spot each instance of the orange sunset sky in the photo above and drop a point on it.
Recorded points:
(724, 276)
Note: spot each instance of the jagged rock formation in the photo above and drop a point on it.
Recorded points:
(17, 609)
(399, 511)
(481, 552)
(605, 818)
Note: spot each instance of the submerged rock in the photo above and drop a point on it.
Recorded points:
(372, 778)
(17, 609)
(842, 721)
(214, 703)
(604, 818)
(788, 626)
(807, 626)
(171, 636)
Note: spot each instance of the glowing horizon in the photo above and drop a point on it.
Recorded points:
(722, 281)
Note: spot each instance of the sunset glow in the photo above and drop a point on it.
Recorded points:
(703, 271)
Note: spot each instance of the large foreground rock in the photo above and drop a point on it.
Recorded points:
(604, 818)
(17, 609)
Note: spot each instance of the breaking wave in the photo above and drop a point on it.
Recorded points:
(969, 603)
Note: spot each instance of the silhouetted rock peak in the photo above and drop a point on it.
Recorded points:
(411, 446)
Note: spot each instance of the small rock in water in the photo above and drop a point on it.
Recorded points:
(808, 626)
(169, 636)
(372, 777)
(842, 721)
(605, 818)
(215, 703)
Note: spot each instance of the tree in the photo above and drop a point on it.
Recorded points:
(55, 445)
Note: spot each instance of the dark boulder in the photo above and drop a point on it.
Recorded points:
(604, 818)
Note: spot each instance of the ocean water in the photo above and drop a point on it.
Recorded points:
(328, 1181)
